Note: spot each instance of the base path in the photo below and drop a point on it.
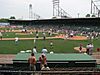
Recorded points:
(28, 38)
(60, 36)
(72, 38)
(78, 38)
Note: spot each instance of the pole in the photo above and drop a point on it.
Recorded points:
(78, 15)
(91, 6)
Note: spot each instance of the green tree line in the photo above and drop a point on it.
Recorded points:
(3, 20)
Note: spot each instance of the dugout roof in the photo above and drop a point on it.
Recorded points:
(56, 57)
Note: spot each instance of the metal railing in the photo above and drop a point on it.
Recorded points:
(7, 72)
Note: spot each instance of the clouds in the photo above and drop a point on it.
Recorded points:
(44, 8)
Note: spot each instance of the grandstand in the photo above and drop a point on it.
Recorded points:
(60, 63)
(69, 21)
(83, 24)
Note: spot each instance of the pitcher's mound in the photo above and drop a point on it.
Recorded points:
(77, 48)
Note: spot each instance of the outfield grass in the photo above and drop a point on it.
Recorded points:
(60, 45)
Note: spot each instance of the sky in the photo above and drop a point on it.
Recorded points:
(20, 8)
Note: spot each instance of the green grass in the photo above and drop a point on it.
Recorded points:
(13, 35)
(60, 45)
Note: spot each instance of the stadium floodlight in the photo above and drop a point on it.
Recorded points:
(94, 7)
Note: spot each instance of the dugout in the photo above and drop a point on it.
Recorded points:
(56, 60)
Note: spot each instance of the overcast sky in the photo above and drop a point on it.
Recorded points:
(20, 8)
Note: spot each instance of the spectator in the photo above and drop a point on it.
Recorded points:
(44, 50)
(45, 68)
(32, 62)
(34, 50)
(42, 60)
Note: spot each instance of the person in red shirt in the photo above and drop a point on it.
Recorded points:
(32, 62)
(80, 48)
(42, 60)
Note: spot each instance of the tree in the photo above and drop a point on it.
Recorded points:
(3, 20)
(93, 15)
(12, 17)
(88, 15)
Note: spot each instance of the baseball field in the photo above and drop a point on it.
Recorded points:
(26, 42)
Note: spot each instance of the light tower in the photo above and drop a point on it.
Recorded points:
(58, 11)
(95, 10)
(30, 12)
(56, 7)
